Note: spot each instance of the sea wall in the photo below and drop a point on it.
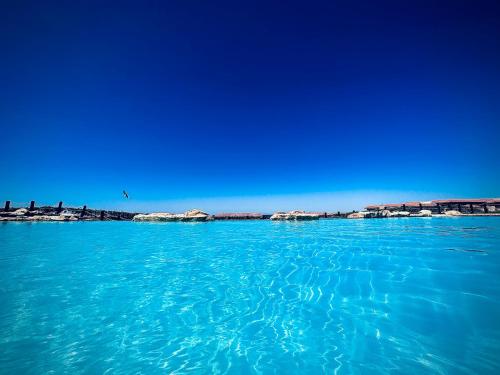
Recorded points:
(60, 213)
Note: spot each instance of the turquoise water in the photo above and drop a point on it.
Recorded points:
(334, 296)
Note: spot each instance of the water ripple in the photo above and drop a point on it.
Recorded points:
(258, 297)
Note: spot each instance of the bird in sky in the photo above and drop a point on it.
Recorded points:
(125, 194)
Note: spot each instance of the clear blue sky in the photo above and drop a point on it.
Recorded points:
(248, 104)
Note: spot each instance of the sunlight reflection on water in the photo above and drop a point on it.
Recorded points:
(361, 296)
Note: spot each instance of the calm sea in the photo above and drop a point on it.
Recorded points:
(412, 296)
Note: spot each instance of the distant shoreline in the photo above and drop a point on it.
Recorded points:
(437, 208)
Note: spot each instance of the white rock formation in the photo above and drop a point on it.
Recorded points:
(191, 215)
(294, 215)
(20, 212)
(399, 214)
(155, 216)
(385, 213)
(52, 218)
(360, 215)
(68, 215)
(422, 213)
(195, 215)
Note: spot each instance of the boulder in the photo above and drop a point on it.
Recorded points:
(52, 218)
(191, 215)
(37, 212)
(384, 213)
(20, 212)
(280, 216)
(399, 214)
(452, 213)
(39, 218)
(155, 216)
(68, 215)
(12, 218)
(422, 213)
(356, 215)
(194, 215)
(301, 215)
(361, 215)
(63, 218)
(294, 215)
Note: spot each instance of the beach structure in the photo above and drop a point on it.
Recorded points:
(440, 206)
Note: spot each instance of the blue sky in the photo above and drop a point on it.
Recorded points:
(251, 105)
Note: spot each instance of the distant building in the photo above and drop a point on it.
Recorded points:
(476, 205)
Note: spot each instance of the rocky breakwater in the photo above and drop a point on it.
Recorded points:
(23, 214)
(49, 213)
(295, 215)
(191, 215)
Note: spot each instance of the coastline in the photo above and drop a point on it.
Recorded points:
(440, 208)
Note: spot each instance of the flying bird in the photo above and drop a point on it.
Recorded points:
(125, 194)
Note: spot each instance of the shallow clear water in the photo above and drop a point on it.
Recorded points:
(334, 296)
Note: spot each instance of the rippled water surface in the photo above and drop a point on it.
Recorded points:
(334, 296)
